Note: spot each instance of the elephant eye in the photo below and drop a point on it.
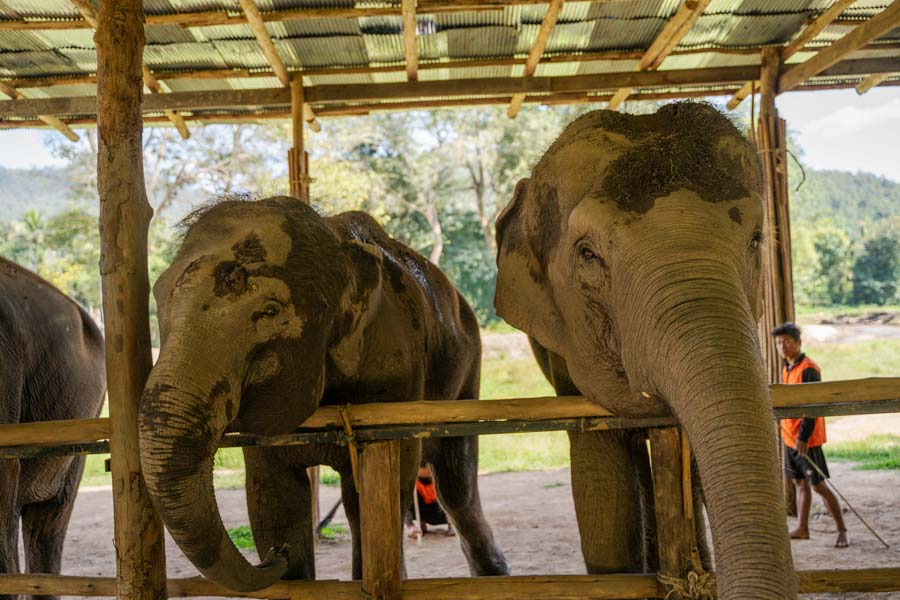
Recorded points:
(757, 239)
(586, 253)
(271, 309)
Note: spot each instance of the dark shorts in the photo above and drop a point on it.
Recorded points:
(432, 514)
(797, 467)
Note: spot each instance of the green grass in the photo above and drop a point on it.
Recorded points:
(874, 452)
(506, 378)
(875, 358)
(242, 537)
(331, 531)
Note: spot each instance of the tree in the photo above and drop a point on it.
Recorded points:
(834, 255)
(876, 270)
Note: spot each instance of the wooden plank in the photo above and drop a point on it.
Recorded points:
(54, 432)
(671, 34)
(299, 183)
(411, 51)
(124, 221)
(536, 52)
(869, 31)
(524, 587)
(380, 520)
(871, 81)
(806, 35)
(47, 119)
(674, 534)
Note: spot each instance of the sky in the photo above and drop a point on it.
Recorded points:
(835, 130)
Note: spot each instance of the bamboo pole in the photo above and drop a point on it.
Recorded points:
(872, 81)
(124, 221)
(299, 180)
(380, 520)
(536, 52)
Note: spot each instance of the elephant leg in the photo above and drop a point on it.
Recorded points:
(9, 519)
(279, 502)
(410, 454)
(606, 489)
(455, 462)
(44, 526)
(350, 500)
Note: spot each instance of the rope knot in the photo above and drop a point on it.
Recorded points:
(698, 585)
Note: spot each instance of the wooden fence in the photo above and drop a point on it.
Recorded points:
(378, 427)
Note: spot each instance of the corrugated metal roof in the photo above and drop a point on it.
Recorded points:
(505, 33)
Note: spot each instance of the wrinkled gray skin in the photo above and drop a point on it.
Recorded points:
(632, 257)
(51, 369)
(267, 312)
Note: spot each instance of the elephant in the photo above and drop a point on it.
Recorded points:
(52, 368)
(268, 311)
(632, 258)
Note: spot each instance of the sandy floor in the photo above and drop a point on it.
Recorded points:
(532, 516)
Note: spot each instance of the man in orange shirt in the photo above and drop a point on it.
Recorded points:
(803, 439)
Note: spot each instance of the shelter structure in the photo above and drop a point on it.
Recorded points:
(120, 65)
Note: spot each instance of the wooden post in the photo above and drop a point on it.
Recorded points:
(124, 220)
(671, 499)
(778, 284)
(297, 155)
(379, 480)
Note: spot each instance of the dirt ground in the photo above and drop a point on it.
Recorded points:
(533, 519)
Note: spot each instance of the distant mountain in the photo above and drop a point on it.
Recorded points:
(45, 190)
(855, 201)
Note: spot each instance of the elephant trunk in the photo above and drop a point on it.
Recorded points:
(179, 429)
(709, 370)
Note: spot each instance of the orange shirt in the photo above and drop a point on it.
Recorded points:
(427, 491)
(805, 371)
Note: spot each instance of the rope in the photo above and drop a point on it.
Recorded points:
(696, 586)
(352, 444)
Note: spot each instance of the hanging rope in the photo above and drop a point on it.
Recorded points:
(352, 444)
(696, 586)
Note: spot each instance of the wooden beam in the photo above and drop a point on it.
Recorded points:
(674, 531)
(536, 52)
(411, 50)
(672, 33)
(380, 519)
(297, 176)
(87, 10)
(806, 35)
(869, 31)
(50, 120)
(124, 221)
(258, 26)
(871, 81)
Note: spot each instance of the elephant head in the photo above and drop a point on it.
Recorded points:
(259, 299)
(634, 251)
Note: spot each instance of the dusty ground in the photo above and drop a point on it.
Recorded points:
(533, 519)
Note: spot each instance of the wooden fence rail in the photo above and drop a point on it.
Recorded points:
(394, 420)
(567, 587)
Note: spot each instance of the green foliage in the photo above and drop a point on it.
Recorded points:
(834, 273)
(876, 271)
(242, 537)
(880, 451)
(333, 530)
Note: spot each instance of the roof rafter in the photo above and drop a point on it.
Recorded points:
(871, 81)
(87, 10)
(865, 33)
(408, 8)
(50, 120)
(672, 33)
(806, 35)
(258, 26)
(536, 52)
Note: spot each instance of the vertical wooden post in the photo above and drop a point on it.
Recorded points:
(297, 162)
(124, 220)
(674, 529)
(778, 286)
(379, 480)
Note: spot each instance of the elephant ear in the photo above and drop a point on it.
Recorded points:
(358, 305)
(527, 229)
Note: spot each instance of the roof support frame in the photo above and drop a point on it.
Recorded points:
(536, 52)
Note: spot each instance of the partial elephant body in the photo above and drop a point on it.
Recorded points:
(51, 369)
(267, 312)
(633, 256)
